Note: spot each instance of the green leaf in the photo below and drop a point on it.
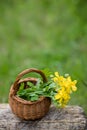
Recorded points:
(30, 84)
(47, 72)
(21, 86)
(39, 81)
(21, 92)
(34, 98)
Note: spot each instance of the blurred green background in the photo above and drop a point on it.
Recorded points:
(44, 34)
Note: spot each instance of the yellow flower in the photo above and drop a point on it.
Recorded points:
(66, 86)
(74, 88)
(56, 74)
(55, 79)
(73, 84)
(62, 97)
(68, 79)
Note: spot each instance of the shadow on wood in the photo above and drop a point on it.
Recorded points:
(69, 118)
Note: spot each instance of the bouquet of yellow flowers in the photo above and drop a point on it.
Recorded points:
(64, 87)
(58, 89)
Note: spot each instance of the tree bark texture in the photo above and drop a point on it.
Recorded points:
(69, 118)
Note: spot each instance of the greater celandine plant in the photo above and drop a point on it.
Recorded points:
(64, 87)
(58, 89)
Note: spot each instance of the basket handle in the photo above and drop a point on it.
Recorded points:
(20, 75)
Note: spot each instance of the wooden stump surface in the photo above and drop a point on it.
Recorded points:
(69, 118)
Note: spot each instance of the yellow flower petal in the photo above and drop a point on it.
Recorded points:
(56, 74)
(55, 80)
(57, 96)
(74, 88)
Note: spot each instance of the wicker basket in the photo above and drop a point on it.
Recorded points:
(26, 109)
